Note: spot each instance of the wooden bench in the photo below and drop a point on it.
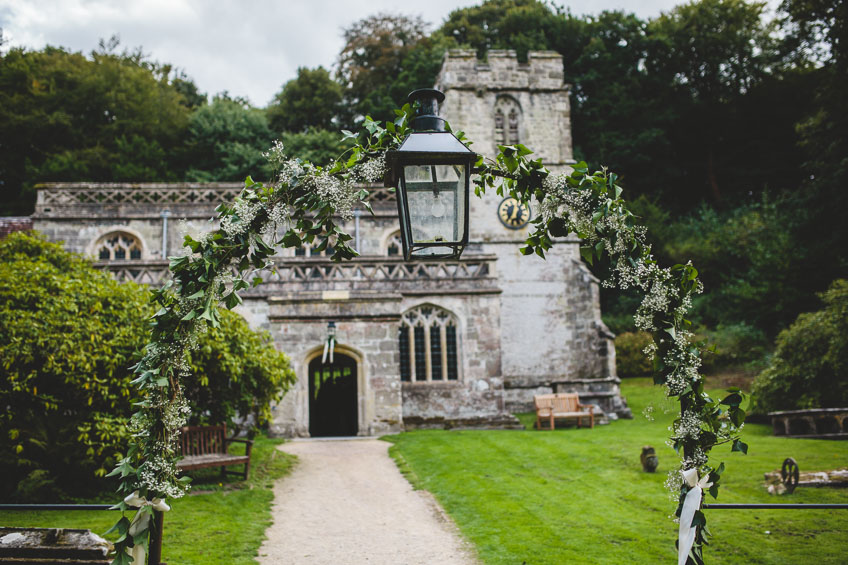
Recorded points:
(566, 406)
(206, 446)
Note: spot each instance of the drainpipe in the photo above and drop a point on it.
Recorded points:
(356, 214)
(165, 214)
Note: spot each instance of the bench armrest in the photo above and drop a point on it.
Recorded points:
(591, 407)
(248, 444)
(238, 439)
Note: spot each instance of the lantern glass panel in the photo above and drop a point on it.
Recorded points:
(436, 205)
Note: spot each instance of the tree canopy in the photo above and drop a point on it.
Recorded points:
(70, 335)
(310, 101)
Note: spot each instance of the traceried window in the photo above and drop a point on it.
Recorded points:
(118, 246)
(394, 245)
(429, 351)
(507, 121)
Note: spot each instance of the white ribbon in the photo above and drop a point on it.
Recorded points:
(686, 535)
(141, 521)
(329, 346)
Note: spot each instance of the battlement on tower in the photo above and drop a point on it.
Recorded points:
(501, 101)
(501, 71)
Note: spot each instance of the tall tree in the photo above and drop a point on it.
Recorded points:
(372, 59)
(66, 116)
(310, 101)
(715, 51)
(226, 141)
(818, 30)
(522, 25)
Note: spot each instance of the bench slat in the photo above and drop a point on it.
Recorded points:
(206, 446)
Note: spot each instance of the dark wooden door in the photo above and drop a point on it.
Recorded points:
(332, 397)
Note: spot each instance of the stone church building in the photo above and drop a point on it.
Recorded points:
(419, 344)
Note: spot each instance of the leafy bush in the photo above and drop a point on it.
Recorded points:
(809, 368)
(236, 375)
(70, 333)
(736, 346)
(630, 361)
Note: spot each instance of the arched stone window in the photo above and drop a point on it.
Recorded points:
(429, 345)
(507, 121)
(118, 246)
(394, 245)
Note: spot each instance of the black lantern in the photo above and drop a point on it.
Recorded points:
(431, 171)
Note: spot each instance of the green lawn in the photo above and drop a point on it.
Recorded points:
(580, 496)
(217, 523)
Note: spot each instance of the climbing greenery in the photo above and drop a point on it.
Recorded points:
(303, 204)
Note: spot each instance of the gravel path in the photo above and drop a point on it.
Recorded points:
(346, 503)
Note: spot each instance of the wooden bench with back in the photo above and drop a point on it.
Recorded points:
(206, 446)
(564, 406)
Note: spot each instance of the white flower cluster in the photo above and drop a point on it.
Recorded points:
(239, 221)
(570, 204)
(658, 296)
(673, 482)
(159, 475)
(372, 170)
(687, 426)
(289, 171)
(341, 194)
(276, 154)
(697, 460)
(279, 219)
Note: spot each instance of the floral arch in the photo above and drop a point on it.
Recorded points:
(303, 202)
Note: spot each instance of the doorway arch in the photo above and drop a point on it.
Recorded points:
(333, 395)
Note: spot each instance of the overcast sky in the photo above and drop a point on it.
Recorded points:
(249, 48)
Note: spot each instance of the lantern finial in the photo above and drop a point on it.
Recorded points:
(427, 118)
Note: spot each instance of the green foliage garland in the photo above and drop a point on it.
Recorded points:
(304, 200)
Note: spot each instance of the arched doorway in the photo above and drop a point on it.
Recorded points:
(333, 397)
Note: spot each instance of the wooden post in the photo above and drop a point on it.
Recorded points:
(155, 544)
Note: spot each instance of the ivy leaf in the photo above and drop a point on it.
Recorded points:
(739, 445)
(122, 558)
(522, 150)
(232, 300)
(587, 254)
(734, 400)
(121, 526)
(291, 239)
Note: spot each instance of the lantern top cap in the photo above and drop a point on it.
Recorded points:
(434, 142)
(427, 113)
(426, 93)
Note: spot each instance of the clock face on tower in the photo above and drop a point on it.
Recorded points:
(513, 214)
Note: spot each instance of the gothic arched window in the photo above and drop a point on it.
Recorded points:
(394, 245)
(429, 347)
(507, 121)
(118, 246)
